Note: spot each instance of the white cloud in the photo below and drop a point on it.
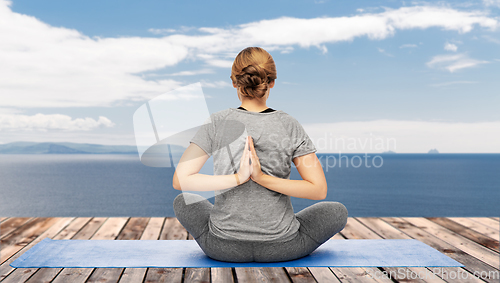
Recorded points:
(42, 122)
(450, 47)
(384, 52)
(183, 73)
(10, 111)
(453, 63)
(405, 136)
(220, 63)
(163, 31)
(491, 39)
(492, 3)
(408, 46)
(287, 50)
(47, 66)
(215, 84)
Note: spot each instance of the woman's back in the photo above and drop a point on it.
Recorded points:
(250, 211)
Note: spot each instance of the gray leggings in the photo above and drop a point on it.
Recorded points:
(318, 223)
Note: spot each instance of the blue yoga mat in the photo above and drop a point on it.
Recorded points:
(187, 253)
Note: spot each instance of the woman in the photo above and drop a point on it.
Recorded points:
(252, 218)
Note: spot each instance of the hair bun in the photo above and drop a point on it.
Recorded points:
(253, 69)
(253, 81)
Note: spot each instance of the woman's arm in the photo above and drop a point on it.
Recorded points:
(313, 186)
(187, 178)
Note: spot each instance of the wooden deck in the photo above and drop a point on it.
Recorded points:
(471, 241)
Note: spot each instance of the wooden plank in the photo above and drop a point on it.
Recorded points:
(10, 274)
(323, 275)
(354, 275)
(201, 275)
(388, 231)
(134, 228)
(48, 274)
(172, 230)
(132, 231)
(300, 275)
(478, 227)
(72, 230)
(263, 274)
(467, 233)
(109, 230)
(486, 221)
(221, 275)
(152, 232)
(22, 237)
(155, 275)
(105, 275)
(471, 263)
(8, 226)
(484, 254)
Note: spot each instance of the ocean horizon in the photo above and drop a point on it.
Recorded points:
(119, 185)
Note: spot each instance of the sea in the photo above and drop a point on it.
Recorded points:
(369, 185)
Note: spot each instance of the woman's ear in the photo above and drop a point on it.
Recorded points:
(234, 85)
(271, 84)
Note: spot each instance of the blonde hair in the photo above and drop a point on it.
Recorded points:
(253, 69)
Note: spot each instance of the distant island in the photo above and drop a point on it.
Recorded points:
(82, 148)
(64, 148)
(389, 152)
(432, 151)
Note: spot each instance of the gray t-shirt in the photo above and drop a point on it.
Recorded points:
(250, 211)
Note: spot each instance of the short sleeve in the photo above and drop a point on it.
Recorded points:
(204, 136)
(304, 144)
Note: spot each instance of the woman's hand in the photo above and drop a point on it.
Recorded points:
(256, 171)
(245, 168)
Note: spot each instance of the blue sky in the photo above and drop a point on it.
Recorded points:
(424, 74)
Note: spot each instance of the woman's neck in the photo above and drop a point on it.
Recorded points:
(254, 106)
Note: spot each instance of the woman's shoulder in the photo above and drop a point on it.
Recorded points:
(221, 114)
(287, 118)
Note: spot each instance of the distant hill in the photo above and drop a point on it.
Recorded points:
(64, 148)
(433, 151)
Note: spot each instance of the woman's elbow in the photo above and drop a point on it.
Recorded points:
(321, 193)
(175, 182)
